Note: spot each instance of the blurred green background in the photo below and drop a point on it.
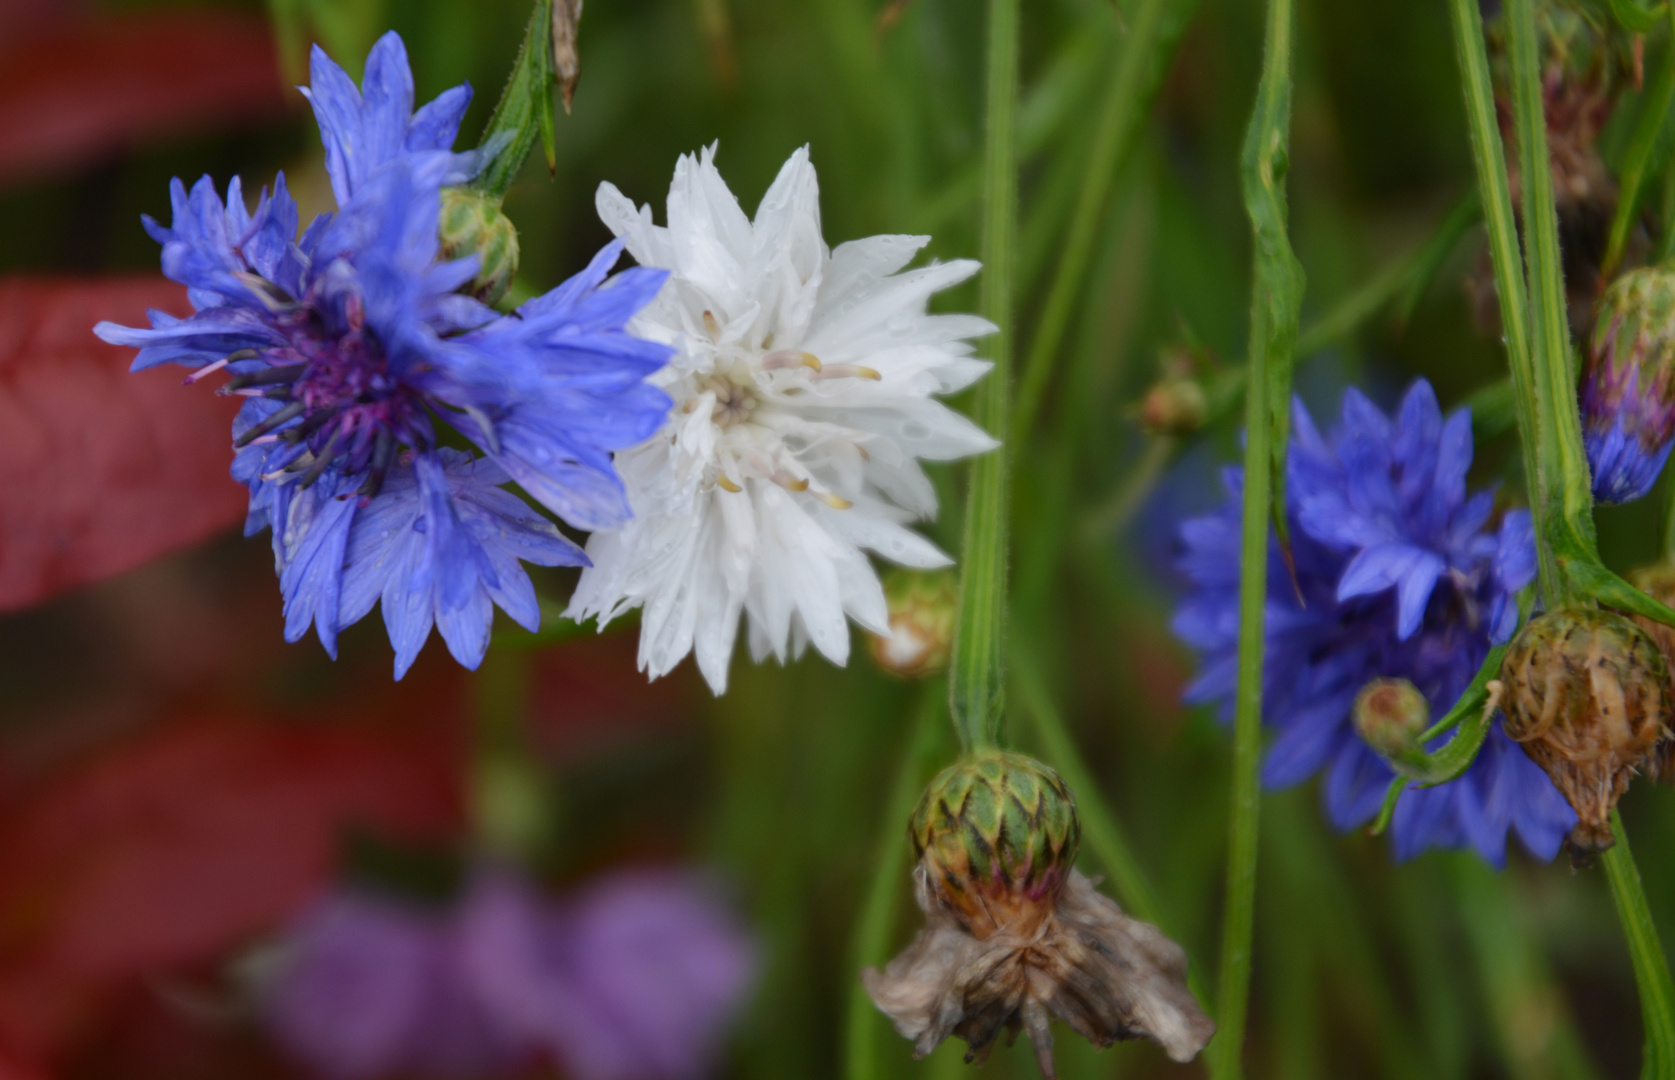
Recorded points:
(1439, 969)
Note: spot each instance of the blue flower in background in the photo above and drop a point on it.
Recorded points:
(1397, 575)
(353, 345)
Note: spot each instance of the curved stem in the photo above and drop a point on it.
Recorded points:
(1651, 967)
(1632, 178)
(871, 944)
(977, 680)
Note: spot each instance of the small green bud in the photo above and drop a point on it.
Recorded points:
(1390, 716)
(922, 610)
(996, 834)
(472, 224)
(1586, 692)
(1174, 406)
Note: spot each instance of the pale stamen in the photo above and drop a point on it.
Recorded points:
(790, 358)
(840, 371)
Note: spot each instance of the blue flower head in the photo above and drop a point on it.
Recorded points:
(1627, 392)
(354, 348)
(1398, 575)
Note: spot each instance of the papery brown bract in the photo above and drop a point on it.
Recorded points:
(1107, 976)
(1587, 694)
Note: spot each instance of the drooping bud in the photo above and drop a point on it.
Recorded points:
(1586, 692)
(1627, 395)
(1174, 407)
(472, 224)
(1390, 716)
(1014, 935)
(922, 610)
(997, 834)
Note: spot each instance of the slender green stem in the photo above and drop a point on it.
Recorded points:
(1651, 967)
(525, 110)
(1654, 107)
(1498, 220)
(1276, 296)
(871, 944)
(511, 798)
(1569, 501)
(977, 678)
(1134, 83)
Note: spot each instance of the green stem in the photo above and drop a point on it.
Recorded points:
(870, 946)
(511, 800)
(977, 677)
(1498, 220)
(1651, 967)
(1134, 83)
(1631, 178)
(1569, 502)
(1276, 296)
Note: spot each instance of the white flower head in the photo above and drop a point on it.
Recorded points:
(802, 387)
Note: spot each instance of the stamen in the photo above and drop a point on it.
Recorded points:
(285, 373)
(711, 325)
(382, 451)
(205, 371)
(834, 501)
(314, 423)
(283, 416)
(321, 460)
(727, 484)
(790, 358)
(270, 294)
(839, 371)
(789, 482)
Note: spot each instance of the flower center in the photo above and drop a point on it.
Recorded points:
(734, 400)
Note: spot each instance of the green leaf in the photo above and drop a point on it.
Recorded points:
(1636, 18)
(1589, 578)
(525, 110)
(1470, 717)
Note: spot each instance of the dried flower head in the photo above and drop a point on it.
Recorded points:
(1658, 582)
(1014, 935)
(1586, 693)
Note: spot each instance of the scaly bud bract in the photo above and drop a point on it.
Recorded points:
(472, 224)
(1587, 694)
(1627, 394)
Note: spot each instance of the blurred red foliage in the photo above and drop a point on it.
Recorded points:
(100, 470)
(166, 853)
(75, 90)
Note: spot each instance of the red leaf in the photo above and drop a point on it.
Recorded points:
(176, 848)
(100, 470)
(88, 88)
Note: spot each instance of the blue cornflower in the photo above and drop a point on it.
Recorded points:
(1627, 391)
(353, 344)
(1397, 576)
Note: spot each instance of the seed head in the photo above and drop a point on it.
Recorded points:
(1015, 936)
(472, 224)
(1587, 694)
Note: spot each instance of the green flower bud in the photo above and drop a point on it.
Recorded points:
(1587, 694)
(1174, 407)
(922, 610)
(1391, 715)
(472, 224)
(996, 834)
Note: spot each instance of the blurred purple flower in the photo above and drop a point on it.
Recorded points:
(633, 978)
(1396, 576)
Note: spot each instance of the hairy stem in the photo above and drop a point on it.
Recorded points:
(1651, 967)
(977, 686)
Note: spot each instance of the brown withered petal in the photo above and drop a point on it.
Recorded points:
(567, 62)
(1107, 976)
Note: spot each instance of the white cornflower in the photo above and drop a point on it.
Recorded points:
(802, 386)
